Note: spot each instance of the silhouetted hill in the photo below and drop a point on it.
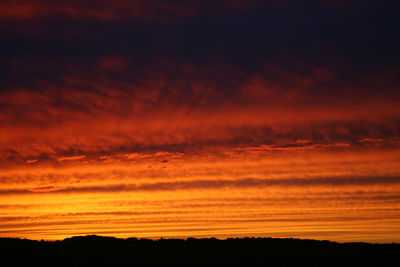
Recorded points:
(110, 251)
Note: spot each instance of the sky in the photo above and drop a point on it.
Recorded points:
(200, 118)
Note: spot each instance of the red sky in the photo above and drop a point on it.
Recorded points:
(200, 118)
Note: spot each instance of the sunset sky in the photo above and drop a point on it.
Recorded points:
(201, 118)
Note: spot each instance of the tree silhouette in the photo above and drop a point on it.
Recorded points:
(110, 251)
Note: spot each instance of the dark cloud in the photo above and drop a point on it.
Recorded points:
(216, 184)
(355, 33)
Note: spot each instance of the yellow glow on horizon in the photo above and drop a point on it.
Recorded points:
(221, 196)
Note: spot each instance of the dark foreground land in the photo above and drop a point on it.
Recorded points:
(108, 251)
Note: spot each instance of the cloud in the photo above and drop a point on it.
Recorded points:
(72, 158)
(192, 108)
(100, 10)
(215, 184)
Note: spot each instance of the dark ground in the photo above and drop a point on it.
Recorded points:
(108, 251)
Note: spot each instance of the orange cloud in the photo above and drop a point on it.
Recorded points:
(171, 114)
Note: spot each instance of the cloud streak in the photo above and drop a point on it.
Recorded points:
(214, 184)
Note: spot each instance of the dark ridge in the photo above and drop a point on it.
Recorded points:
(110, 251)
